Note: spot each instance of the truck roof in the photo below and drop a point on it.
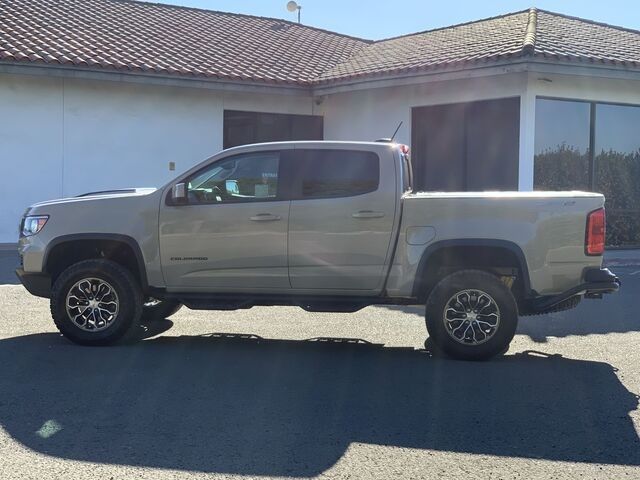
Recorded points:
(312, 144)
(505, 194)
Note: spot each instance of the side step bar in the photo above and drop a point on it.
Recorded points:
(221, 301)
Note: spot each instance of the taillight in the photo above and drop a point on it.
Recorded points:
(595, 236)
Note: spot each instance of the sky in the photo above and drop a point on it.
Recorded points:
(376, 19)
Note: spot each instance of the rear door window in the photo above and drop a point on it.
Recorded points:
(334, 173)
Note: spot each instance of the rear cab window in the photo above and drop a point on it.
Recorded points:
(329, 173)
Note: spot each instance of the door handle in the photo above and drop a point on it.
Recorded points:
(367, 214)
(265, 217)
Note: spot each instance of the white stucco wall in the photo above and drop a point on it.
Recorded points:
(371, 114)
(375, 113)
(30, 147)
(585, 88)
(62, 137)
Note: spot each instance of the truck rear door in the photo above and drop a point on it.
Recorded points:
(342, 217)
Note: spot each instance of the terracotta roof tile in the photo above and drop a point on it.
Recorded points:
(146, 37)
(578, 39)
(530, 33)
(470, 42)
(132, 36)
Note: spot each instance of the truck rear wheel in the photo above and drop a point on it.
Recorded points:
(471, 315)
(96, 302)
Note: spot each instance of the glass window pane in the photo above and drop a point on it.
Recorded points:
(617, 170)
(561, 145)
(241, 128)
(337, 173)
(243, 178)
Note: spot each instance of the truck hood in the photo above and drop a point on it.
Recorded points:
(132, 212)
(92, 196)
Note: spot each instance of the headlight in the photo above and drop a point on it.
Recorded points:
(32, 224)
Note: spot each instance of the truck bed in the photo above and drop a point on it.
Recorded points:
(547, 227)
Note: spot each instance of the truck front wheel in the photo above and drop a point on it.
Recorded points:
(96, 302)
(471, 315)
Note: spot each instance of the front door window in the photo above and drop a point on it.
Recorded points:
(243, 178)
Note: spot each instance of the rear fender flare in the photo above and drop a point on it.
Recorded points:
(419, 281)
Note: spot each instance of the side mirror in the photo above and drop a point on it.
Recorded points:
(179, 193)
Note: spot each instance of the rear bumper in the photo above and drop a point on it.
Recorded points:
(38, 284)
(597, 282)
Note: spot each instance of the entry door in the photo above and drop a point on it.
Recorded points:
(232, 232)
(342, 217)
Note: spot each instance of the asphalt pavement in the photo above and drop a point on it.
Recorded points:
(278, 392)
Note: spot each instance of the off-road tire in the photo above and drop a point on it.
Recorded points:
(125, 325)
(460, 281)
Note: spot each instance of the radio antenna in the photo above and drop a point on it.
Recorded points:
(394, 133)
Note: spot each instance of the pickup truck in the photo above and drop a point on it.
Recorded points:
(327, 226)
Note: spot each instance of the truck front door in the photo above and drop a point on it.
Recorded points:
(232, 232)
(341, 219)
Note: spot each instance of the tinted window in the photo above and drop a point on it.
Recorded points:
(561, 145)
(617, 170)
(335, 173)
(243, 178)
(568, 158)
(466, 146)
(241, 128)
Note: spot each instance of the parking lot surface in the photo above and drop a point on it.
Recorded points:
(278, 392)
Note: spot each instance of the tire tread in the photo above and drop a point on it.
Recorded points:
(463, 279)
(112, 269)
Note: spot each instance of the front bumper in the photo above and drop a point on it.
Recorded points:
(597, 282)
(38, 284)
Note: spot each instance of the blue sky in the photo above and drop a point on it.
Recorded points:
(377, 19)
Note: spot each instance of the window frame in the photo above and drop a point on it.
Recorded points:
(283, 189)
(591, 149)
(591, 152)
(296, 187)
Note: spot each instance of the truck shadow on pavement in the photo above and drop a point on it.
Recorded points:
(246, 405)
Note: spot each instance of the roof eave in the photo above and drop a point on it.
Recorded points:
(464, 70)
(455, 71)
(159, 79)
(461, 70)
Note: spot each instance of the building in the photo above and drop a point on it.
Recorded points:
(100, 94)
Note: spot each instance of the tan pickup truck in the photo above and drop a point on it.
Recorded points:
(327, 226)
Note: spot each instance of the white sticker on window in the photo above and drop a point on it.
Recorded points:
(262, 190)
